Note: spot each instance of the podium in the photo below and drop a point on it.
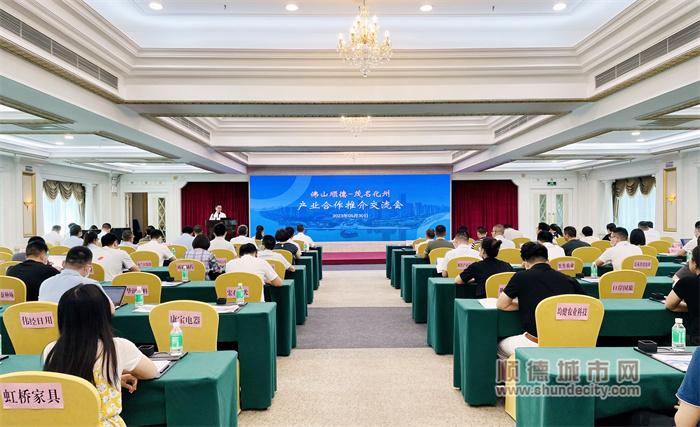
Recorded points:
(230, 227)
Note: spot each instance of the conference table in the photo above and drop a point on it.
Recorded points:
(200, 389)
(316, 265)
(477, 330)
(311, 277)
(319, 249)
(396, 255)
(670, 258)
(407, 263)
(657, 383)
(389, 249)
(442, 293)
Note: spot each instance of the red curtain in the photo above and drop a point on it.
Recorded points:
(486, 203)
(200, 198)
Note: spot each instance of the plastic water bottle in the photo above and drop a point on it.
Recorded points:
(173, 251)
(138, 297)
(687, 258)
(185, 274)
(306, 247)
(176, 340)
(240, 294)
(594, 270)
(678, 335)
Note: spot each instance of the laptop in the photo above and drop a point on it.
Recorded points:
(116, 294)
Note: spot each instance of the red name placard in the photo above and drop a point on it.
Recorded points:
(32, 396)
(622, 288)
(572, 311)
(642, 263)
(231, 292)
(7, 294)
(144, 264)
(40, 320)
(566, 265)
(131, 290)
(185, 265)
(187, 319)
(464, 264)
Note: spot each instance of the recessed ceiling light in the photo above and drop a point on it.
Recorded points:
(291, 7)
(68, 137)
(426, 8)
(155, 6)
(59, 143)
(559, 6)
(142, 164)
(636, 133)
(640, 140)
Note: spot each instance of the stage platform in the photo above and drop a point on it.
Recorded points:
(353, 258)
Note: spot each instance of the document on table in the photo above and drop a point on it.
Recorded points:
(146, 308)
(161, 365)
(227, 308)
(438, 263)
(679, 361)
(591, 279)
(169, 284)
(488, 302)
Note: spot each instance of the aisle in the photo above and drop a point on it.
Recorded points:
(361, 360)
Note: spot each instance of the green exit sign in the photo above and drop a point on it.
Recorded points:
(552, 183)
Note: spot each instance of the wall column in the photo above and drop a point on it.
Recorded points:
(608, 216)
(89, 204)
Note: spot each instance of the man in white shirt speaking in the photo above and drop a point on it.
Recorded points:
(621, 249)
(217, 215)
(250, 263)
(113, 259)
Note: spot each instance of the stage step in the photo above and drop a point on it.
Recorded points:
(349, 258)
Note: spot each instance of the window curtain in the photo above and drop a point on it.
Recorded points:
(199, 199)
(68, 191)
(630, 187)
(60, 212)
(486, 203)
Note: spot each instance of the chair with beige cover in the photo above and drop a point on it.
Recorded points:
(12, 290)
(622, 284)
(224, 255)
(649, 250)
(286, 254)
(127, 249)
(661, 246)
(194, 338)
(278, 266)
(668, 239)
(587, 254)
(59, 250)
(496, 283)
(647, 264)
(510, 255)
(179, 250)
(151, 286)
(4, 249)
(227, 283)
(195, 269)
(602, 245)
(520, 241)
(457, 265)
(145, 259)
(31, 325)
(97, 272)
(5, 265)
(438, 253)
(568, 265)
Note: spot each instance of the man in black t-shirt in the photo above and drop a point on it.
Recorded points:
(34, 270)
(537, 282)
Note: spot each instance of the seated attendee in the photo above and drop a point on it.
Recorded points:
(242, 237)
(439, 242)
(220, 241)
(610, 227)
(692, 243)
(94, 228)
(497, 233)
(250, 263)
(688, 414)
(112, 259)
(649, 232)
(87, 348)
(290, 233)
(268, 244)
(156, 245)
(90, 241)
(303, 237)
(198, 229)
(185, 239)
(429, 235)
(76, 270)
(128, 239)
(54, 236)
(21, 256)
(200, 252)
(587, 235)
(75, 238)
(463, 248)
(542, 226)
(556, 231)
(545, 239)
(480, 271)
(530, 286)
(147, 238)
(106, 228)
(637, 237)
(620, 250)
(685, 270)
(685, 297)
(35, 269)
(282, 237)
(259, 232)
(511, 233)
(571, 241)
(480, 234)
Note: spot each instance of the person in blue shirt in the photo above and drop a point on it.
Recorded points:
(688, 414)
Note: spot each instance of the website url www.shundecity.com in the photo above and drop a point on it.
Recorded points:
(571, 390)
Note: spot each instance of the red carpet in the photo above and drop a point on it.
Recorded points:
(345, 258)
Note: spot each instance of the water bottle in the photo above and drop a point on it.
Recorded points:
(306, 247)
(176, 340)
(594, 270)
(687, 258)
(173, 251)
(138, 297)
(240, 294)
(678, 335)
(185, 275)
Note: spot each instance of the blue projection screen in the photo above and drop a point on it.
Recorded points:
(336, 208)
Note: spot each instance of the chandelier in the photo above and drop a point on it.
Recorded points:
(356, 124)
(363, 49)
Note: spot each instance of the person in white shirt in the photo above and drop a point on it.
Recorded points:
(128, 239)
(650, 235)
(545, 238)
(75, 238)
(303, 237)
(463, 248)
(688, 248)
(268, 244)
(621, 249)
(588, 235)
(242, 237)
(510, 233)
(106, 228)
(156, 245)
(112, 259)
(54, 236)
(185, 239)
(497, 233)
(219, 241)
(250, 263)
(217, 213)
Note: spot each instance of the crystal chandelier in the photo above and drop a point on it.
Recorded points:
(356, 124)
(363, 50)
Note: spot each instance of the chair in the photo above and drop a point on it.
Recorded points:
(198, 273)
(661, 246)
(560, 241)
(59, 250)
(641, 263)
(49, 245)
(286, 254)
(12, 290)
(471, 241)
(477, 247)
(149, 282)
(223, 254)
(142, 243)
(668, 239)
(622, 284)
(127, 249)
(194, 338)
(145, 259)
(555, 329)
(520, 241)
(587, 254)
(278, 266)
(568, 265)
(42, 317)
(458, 264)
(420, 250)
(510, 255)
(179, 250)
(416, 242)
(5, 257)
(258, 243)
(496, 283)
(97, 273)
(99, 244)
(301, 243)
(5, 265)
(438, 253)
(237, 247)
(6, 250)
(649, 250)
(602, 245)
(81, 402)
(227, 283)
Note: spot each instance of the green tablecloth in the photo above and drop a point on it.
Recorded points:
(315, 265)
(407, 262)
(161, 272)
(477, 329)
(300, 282)
(390, 248)
(308, 262)
(670, 258)
(658, 383)
(420, 275)
(396, 255)
(319, 249)
(199, 390)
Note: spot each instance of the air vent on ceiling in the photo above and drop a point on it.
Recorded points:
(191, 126)
(43, 127)
(43, 42)
(668, 122)
(658, 50)
(512, 125)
